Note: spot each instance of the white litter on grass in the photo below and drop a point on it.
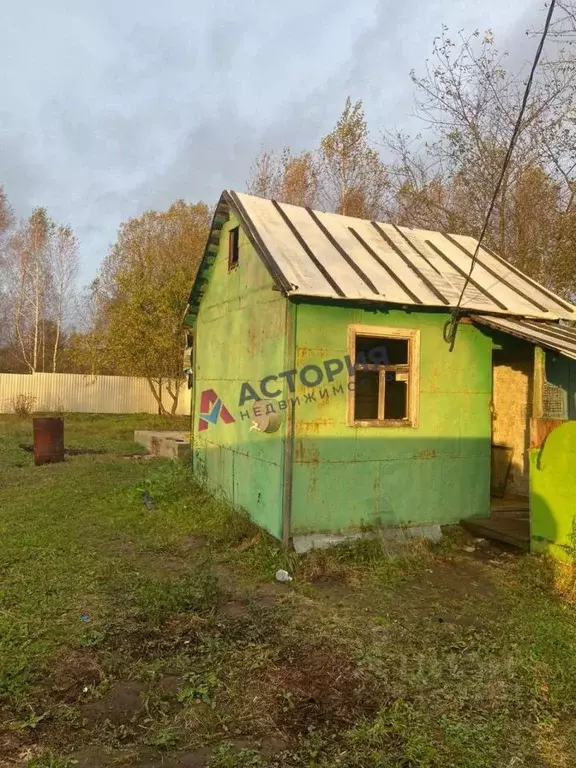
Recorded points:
(283, 576)
(469, 549)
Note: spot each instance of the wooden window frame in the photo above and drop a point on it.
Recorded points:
(233, 248)
(413, 365)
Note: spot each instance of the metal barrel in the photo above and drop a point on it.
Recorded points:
(48, 440)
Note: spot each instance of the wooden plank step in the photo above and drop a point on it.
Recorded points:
(514, 531)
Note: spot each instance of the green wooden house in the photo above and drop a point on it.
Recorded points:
(325, 397)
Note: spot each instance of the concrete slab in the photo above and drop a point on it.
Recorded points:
(306, 542)
(393, 535)
(168, 445)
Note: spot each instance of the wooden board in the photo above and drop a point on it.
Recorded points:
(540, 429)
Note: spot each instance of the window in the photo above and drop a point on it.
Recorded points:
(233, 243)
(383, 388)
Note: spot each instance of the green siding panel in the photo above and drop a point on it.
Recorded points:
(438, 472)
(553, 493)
(240, 334)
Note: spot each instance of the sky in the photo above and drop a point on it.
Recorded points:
(112, 107)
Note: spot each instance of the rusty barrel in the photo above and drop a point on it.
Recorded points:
(48, 440)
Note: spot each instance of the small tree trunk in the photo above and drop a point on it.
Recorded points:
(56, 342)
(174, 394)
(36, 324)
(156, 389)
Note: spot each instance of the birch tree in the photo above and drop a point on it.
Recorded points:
(63, 271)
(40, 267)
(30, 280)
(6, 222)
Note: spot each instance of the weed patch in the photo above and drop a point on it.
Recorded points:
(154, 600)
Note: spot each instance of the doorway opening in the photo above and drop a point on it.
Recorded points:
(511, 407)
(512, 396)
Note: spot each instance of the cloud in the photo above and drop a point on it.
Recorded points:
(112, 108)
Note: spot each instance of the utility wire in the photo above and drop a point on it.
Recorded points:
(452, 325)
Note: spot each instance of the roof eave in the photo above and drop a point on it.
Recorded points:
(228, 201)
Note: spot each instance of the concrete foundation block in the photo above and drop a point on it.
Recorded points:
(394, 538)
(167, 445)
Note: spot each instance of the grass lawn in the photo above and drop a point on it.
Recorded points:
(132, 636)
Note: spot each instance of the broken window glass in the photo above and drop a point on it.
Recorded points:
(382, 373)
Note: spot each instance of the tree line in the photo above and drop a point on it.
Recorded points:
(467, 98)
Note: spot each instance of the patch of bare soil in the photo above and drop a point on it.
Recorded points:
(192, 543)
(462, 592)
(321, 687)
(197, 759)
(272, 746)
(225, 577)
(237, 605)
(232, 609)
(170, 683)
(164, 563)
(120, 705)
(97, 757)
(337, 591)
(71, 673)
(156, 760)
(264, 599)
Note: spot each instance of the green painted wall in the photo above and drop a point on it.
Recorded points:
(240, 333)
(343, 477)
(438, 472)
(553, 493)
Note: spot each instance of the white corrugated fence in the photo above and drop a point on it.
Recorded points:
(77, 393)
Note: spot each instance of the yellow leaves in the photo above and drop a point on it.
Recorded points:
(144, 286)
(286, 177)
(344, 174)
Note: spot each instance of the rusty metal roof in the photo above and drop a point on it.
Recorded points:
(560, 338)
(326, 255)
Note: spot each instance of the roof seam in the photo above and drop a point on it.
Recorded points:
(303, 244)
(385, 266)
(429, 284)
(534, 283)
(462, 273)
(332, 240)
(494, 274)
(418, 251)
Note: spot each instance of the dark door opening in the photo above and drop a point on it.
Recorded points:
(512, 396)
